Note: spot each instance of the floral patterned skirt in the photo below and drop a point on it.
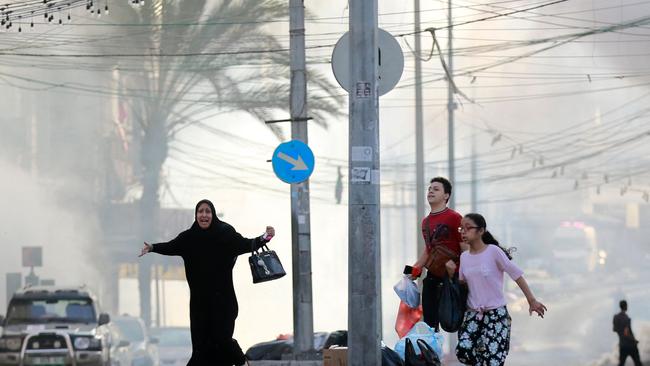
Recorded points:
(484, 337)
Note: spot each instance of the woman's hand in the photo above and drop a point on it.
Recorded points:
(451, 267)
(537, 307)
(269, 234)
(146, 249)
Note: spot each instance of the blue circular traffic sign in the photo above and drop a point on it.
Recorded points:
(293, 161)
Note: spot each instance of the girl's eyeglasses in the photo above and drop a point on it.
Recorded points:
(466, 229)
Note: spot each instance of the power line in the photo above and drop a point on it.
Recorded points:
(19, 12)
(227, 53)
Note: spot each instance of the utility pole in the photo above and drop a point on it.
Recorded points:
(157, 281)
(474, 194)
(303, 313)
(474, 189)
(364, 281)
(451, 105)
(419, 131)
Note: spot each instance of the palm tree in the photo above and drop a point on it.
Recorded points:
(206, 57)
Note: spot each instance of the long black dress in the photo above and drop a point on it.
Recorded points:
(209, 256)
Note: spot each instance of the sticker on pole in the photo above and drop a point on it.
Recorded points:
(293, 161)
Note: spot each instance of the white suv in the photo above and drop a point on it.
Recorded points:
(56, 326)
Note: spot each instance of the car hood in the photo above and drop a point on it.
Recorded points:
(174, 352)
(138, 346)
(76, 328)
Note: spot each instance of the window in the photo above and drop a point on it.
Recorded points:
(39, 311)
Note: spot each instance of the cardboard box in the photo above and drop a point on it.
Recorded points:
(336, 356)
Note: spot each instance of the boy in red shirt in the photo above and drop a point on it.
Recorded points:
(439, 228)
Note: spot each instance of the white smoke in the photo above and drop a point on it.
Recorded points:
(31, 215)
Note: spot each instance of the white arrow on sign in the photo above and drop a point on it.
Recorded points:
(298, 164)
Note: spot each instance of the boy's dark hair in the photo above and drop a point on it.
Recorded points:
(446, 184)
(623, 305)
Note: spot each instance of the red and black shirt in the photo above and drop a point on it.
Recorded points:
(442, 228)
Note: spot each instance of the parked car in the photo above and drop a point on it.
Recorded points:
(282, 348)
(174, 345)
(143, 349)
(271, 350)
(120, 347)
(54, 326)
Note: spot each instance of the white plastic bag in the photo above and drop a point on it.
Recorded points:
(421, 331)
(407, 290)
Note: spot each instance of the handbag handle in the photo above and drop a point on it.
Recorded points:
(263, 248)
(409, 349)
(411, 358)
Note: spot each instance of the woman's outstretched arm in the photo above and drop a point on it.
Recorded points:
(242, 245)
(172, 247)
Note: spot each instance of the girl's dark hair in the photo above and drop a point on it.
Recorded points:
(487, 237)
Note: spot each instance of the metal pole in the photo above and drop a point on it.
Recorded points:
(303, 314)
(419, 131)
(451, 105)
(474, 194)
(164, 302)
(157, 274)
(364, 281)
(474, 175)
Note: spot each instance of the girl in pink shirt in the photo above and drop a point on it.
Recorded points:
(484, 337)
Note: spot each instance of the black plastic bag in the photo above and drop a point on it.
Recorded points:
(430, 356)
(427, 356)
(410, 357)
(452, 305)
(390, 357)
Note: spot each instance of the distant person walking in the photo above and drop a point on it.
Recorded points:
(209, 249)
(484, 337)
(627, 344)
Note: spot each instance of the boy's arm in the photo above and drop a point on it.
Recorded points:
(422, 260)
(419, 264)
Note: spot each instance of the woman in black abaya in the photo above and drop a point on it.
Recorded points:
(209, 249)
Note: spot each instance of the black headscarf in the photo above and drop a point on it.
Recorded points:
(215, 225)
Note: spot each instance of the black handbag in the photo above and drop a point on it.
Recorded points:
(451, 309)
(265, 265)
